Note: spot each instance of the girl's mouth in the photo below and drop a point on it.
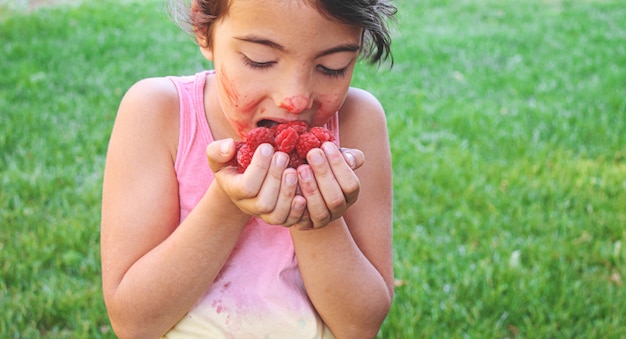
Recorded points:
(272, 123)
(266, 123)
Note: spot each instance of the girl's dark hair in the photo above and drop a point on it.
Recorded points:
(198, 17)
(371, 15)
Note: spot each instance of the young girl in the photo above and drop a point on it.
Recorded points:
(191, 247)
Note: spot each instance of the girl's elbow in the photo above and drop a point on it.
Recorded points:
(126, 326)
(369, 326)
(123, 331)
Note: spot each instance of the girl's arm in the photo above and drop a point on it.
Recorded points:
(347, 266)
(150, 264)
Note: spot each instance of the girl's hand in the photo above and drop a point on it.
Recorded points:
(267, 189)
(328, 183)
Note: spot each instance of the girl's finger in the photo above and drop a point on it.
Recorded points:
(281, 211)
(254, 176)
(297, 211)
(326, 179)
(316, 206)
(343, 172)
(272, 185)
(353, 157)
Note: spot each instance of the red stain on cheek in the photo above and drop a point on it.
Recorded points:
(247, 108)
(327, 106)
(236, 111)
(241, 128)
(229, 88)
(330, 102)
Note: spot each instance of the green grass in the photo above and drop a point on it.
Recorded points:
(508, 129)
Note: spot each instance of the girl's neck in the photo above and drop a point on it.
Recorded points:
(219, 126)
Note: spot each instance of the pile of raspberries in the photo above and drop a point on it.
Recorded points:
(294, 138)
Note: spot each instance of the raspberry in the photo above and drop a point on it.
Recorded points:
(258, 136)
(244, 157)
(307, 142)
(286, 140)
(295, 160)
(233, 161)
(294, 138)
(299, 126)
(322, 134)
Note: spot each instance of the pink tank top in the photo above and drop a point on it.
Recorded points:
(259, 293)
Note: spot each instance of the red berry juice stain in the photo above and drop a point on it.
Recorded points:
(229, 88)
(295, 104)
(219, 307)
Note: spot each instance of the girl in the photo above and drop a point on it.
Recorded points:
(192, 248)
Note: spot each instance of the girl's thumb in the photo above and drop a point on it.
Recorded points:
(220, 153)
(226, 148)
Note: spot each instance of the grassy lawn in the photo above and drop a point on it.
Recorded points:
(508, 127)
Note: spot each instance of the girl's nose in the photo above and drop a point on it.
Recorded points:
(295, 104)
(295, 94)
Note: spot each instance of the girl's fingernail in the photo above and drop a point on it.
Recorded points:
(225, 146)
(281, 159)
(316, 158)
(299, 205)
(291, 179)
(350, 159)
(305, 173)
(329, 147)
(266, 150)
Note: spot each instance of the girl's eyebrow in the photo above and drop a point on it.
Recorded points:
(261, 41)
(348, 47)
(340, 48)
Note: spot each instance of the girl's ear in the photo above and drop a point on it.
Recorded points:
(201, 37)
(206, 51)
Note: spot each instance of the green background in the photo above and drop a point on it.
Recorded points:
(507, 126)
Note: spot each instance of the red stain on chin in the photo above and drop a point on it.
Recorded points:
(241, 129)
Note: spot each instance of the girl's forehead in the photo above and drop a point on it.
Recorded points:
(294, 25)
(311, 3)
(261, 12)
(293, 5)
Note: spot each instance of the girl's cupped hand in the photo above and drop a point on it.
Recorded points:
(310, 197)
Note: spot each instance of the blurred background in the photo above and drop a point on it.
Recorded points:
(508, 133)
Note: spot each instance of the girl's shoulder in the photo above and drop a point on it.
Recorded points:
(361, 115)
(152, 92)
(150, 110)
(361, 100)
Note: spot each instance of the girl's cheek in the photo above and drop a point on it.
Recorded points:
(240, 127)
(241, 122)
(247, 107)
(239, 110)
(229, 87)
(243, 115)
(328, 105)
(238, 96)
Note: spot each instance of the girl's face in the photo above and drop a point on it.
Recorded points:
(281, 60)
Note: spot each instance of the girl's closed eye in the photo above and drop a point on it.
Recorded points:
(331, 72)
(257, 64)
(335, 65)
